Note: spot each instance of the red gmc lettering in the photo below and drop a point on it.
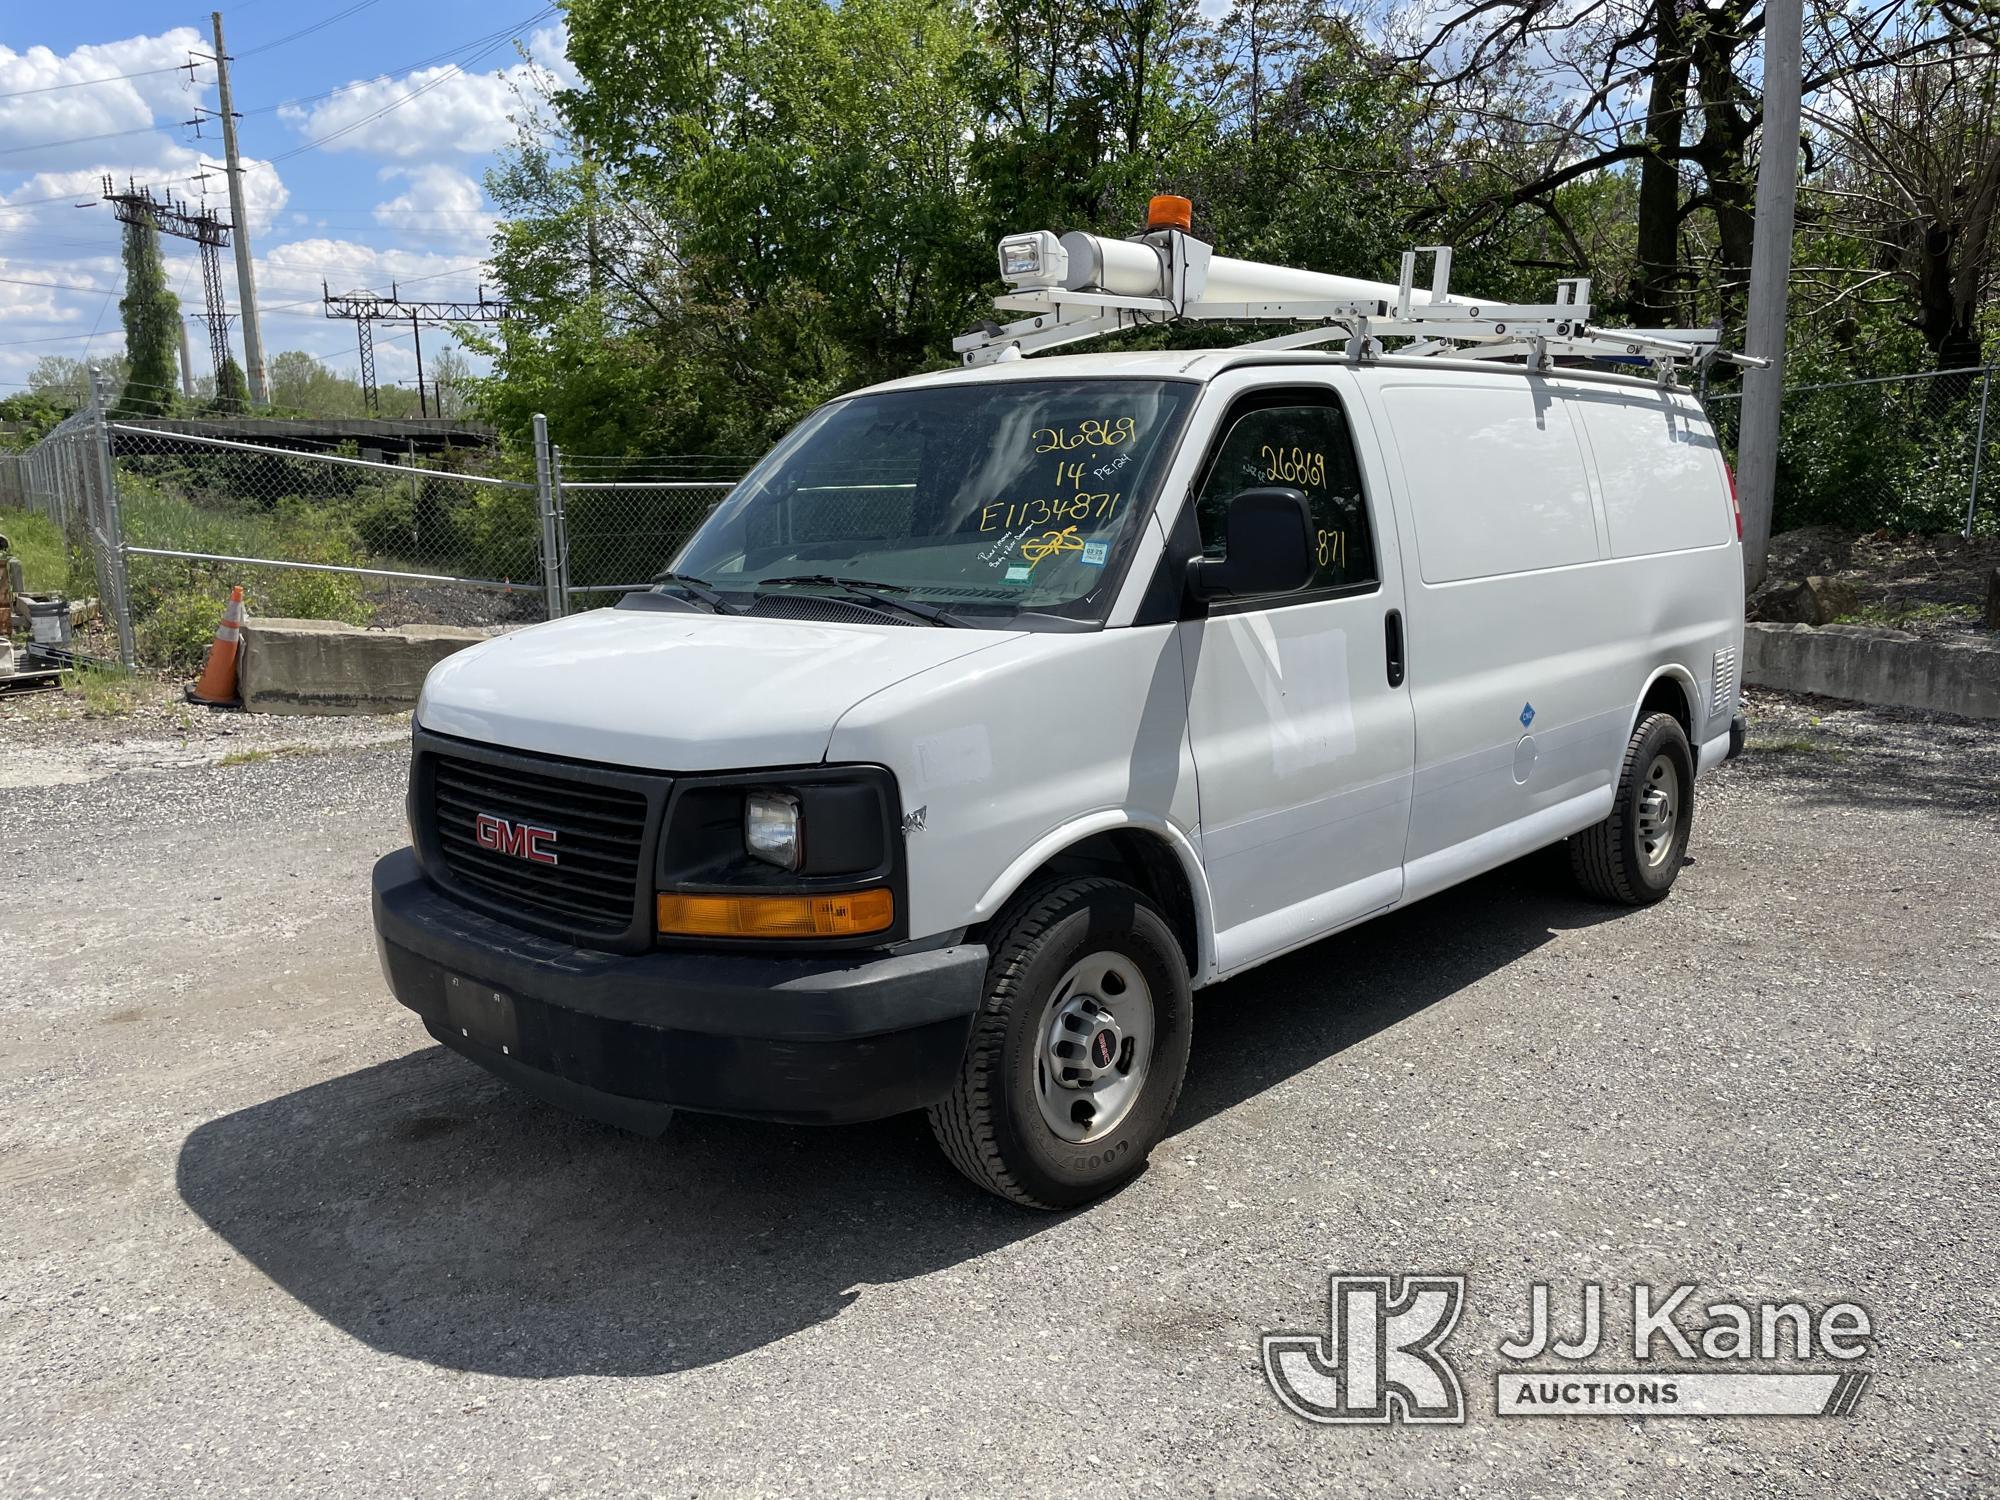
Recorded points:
(522, 840)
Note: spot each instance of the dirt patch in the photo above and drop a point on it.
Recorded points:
(399, 604)
(59, 738)
(1933, 586)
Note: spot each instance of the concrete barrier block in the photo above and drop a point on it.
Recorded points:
(326, 667)
(1869, 664)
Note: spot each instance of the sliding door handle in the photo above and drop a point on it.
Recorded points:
(1393, 631)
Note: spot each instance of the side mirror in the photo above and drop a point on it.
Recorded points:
(1270, 548)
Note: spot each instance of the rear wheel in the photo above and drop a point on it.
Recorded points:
(1633, 856)
(1078, 1052)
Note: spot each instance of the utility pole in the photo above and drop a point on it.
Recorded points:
(246, 277)
(417, 334)
(1770, 274)
(187, 366)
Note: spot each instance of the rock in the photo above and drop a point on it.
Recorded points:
(1828, 599)
(1781, 601)
(1993, 600)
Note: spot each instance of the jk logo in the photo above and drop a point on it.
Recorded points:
(1378, 1360)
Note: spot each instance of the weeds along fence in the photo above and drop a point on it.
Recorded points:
(315, 536)
(1905, 453)
(161, 523)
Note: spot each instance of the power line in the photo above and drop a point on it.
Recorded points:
(339, 15)
(60, 286)
(423, 62)
(77, 140)
(457, 70)
(486, 44)
(82, 83)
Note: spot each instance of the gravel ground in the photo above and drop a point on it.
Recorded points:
(258, 1235)
(53, 738)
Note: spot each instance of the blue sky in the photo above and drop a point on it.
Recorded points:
(370, 133)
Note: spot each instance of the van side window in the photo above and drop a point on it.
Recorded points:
(1302, 444)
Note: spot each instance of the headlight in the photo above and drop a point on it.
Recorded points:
(772, 829)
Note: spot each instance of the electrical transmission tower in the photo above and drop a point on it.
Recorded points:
(210, 233)
(365, 309)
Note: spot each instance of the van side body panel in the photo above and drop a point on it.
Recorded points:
(1532, 640)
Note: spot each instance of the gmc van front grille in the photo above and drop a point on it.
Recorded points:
(526, 838)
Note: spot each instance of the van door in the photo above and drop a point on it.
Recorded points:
(1298, 718)
(1517, 629)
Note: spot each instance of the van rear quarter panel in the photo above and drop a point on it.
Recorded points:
(1538, 606)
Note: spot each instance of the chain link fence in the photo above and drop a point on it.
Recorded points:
(1902, 453)
(620, 521)
(163, 521)
(67, 478)
(312, 535)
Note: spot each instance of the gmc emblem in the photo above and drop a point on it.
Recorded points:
(522, 840)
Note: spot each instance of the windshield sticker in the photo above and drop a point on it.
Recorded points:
(1094, 554)
(1020, 572)
(1051, 544)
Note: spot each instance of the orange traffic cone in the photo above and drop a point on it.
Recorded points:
(218, 675)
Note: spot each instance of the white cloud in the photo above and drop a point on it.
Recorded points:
(437, 112)
(35, 120)
(442, 204)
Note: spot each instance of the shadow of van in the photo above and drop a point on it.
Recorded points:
(433, 1213)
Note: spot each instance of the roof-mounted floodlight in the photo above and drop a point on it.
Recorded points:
(1033, 260)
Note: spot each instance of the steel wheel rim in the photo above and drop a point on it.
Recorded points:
(1659, 810)
(1093, 1047)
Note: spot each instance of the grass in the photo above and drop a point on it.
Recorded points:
(36, 541)
(106, 692)
(257, 757)
(1900, 614)
(1794, 747)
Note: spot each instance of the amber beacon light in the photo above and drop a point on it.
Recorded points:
(1169, 212)
(848, 914)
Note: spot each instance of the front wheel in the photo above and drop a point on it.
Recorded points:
(1078, 1052)
(1633, 856)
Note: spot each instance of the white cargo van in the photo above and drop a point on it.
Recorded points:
(999, 710)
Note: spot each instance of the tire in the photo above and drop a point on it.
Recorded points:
(1060, 950)
(1632, 857)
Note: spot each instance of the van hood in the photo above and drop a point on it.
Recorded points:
(679, 692)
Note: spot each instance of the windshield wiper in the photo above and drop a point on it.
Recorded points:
(689, 584)
(867, 591)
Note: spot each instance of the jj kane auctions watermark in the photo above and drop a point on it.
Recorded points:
(1382, 1357)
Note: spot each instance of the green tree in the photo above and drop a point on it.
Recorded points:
(231, 388)
(152, 316)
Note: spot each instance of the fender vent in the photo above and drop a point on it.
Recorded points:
(1724, 692)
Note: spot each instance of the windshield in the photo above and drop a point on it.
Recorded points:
(997, 498)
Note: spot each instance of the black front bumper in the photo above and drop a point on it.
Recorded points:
(630, 1038)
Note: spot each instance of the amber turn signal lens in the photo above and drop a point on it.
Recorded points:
(1169, 212)
(849, 914)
